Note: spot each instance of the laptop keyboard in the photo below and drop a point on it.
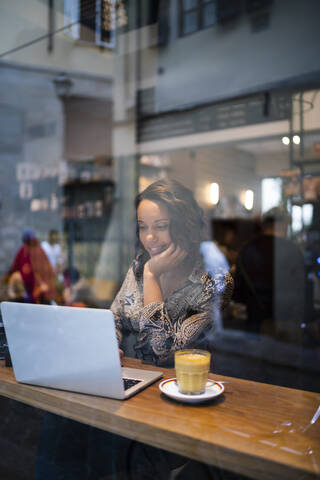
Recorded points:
(129, 382)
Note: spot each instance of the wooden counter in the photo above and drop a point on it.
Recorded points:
(262, 431)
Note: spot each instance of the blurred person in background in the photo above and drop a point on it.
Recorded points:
(77, 290)
(53, 250)
(38, 276)
(16, 289)
(227, 245)
(270, 280)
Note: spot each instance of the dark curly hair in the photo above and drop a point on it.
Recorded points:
(187, 224)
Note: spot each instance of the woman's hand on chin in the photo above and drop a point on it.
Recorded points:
(166, 261)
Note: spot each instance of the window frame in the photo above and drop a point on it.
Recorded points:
(72, 16)
(199, 9)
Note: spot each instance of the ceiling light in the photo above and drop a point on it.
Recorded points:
(248, 199)
(296, 139)
(285, 140)
(214, 193)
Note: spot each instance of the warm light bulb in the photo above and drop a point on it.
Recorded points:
(214, 193)
(285, 140)
(248, 199)
(296, 139)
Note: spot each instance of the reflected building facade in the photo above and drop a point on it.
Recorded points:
(108, 97)
(115, 95)
(98, 99)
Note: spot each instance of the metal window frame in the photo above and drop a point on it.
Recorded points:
(199, 9)
(69, 10)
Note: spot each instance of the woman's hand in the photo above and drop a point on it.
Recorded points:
(166, 261)
(163, 263)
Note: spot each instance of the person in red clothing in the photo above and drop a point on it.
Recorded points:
(37, 274)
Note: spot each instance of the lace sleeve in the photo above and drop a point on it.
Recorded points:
(160, 336)
(123, 297)
(226, 285)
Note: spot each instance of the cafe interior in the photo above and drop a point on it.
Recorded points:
(100, 100)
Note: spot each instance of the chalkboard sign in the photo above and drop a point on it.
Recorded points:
(248, 111)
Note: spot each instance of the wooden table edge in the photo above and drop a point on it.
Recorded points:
(256, 467)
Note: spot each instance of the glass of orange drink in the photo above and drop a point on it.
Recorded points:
(192, 368)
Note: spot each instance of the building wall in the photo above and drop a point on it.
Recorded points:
(232, 58)
(36, 139)
(33, 163)
(20, 25)
(28, 94)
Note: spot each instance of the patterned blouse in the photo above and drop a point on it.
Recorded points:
(184, 320)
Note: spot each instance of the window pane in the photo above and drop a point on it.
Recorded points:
(209, 15)
(271, 193)
(296, 218)
(307, 214)
(190, 23)
(189, 4)
(178, 101)
(87, 21)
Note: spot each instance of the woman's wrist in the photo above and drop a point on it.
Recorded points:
(151, 287)
(147, 273)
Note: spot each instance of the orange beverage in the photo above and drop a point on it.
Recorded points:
(192, 368)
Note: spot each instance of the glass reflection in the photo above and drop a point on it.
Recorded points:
(101, 99)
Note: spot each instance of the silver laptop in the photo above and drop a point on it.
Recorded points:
(69, 348)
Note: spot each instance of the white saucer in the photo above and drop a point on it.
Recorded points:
(170, 388)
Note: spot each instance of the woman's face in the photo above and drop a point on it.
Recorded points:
(154, 226)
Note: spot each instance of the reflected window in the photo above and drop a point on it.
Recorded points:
(296, 218)
(301, 217)
(270, 193)
(196, 15)
(209, 14)
(307, 214)
(91, 22)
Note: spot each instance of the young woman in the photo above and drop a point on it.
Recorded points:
(167, 303)
(167, 300)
